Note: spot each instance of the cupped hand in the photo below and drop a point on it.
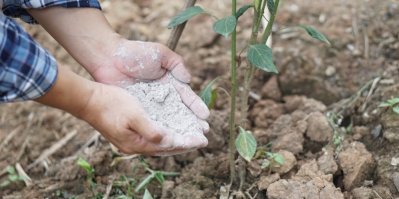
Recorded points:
(119, 117)
(135, 61)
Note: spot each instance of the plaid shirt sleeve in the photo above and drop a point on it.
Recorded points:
(17, 8)
(27, 71)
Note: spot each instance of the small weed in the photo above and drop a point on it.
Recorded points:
(90, 176)
(12, 177)
(392, 104)
(154, 175)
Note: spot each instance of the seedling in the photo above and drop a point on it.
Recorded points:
(258, 56)
(272, 160)
(90, 175)
(154, 175)
(392, 104)
(12, 177)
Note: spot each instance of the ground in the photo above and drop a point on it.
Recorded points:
(321, 112)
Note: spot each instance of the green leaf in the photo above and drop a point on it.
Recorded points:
(159, 176)
(246, 144)
(147, 195)
(185, 15)
(385, 104)
(393, 101)
(315, 34)
(279, 158)
(145, 182)
(261, 56)
(225, 26)
(270, 6)
(396, 109)
(242, 10)
(85, 165)
(11, 170)
(209, 95)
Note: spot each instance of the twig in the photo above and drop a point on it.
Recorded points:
(10, 136)
(371, 91)
(50, 151)
(177, 31)
(22, 173)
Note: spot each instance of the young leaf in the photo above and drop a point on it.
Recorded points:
(225, 26)
(393, 101)
(85, 165)
(159, 176)
(208, 95)
(315, 34)
(147, 195)
(279, 158)
(385, 104)
(145, 182)
(185, 15)
(242, 10)
(246, 144)
(396, 109)
(270, 6)
(260, 56)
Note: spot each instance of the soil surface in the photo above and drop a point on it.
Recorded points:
(320, 113)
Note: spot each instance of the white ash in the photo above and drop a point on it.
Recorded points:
(163, 104)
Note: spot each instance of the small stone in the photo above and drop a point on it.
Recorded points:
(395, 179)
(392, 134)
(327, 163)
(362, 193)
(330, 71)
(265, 181)
(292, 142)
(319, 129)
(395, 161)
(271, 89)
(357, 164)
(376, 132)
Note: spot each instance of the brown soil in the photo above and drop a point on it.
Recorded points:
(290, 117)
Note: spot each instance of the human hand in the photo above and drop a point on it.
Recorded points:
(119, 117)
(134, 61)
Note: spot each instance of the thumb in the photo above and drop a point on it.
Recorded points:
(147, 128)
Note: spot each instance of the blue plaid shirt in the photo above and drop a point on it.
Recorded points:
(27, 71)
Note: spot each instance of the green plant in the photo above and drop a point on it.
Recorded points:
(392, 104)
(12, 177)
(259, 57)
(154, 175)
(90, 176)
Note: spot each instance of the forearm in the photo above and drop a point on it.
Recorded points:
(83, 32)
(70, 93)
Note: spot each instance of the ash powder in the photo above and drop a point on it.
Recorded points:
(163, 104)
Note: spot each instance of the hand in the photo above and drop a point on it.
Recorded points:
(119, 117)
(134, 61)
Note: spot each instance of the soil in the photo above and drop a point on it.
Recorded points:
(352, 153)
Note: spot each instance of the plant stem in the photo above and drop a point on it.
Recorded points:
(233, 73)
(268, 29)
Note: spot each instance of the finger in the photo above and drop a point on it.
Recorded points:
(147, 128)
(191, 100)
(174, 63)
(204, 125)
